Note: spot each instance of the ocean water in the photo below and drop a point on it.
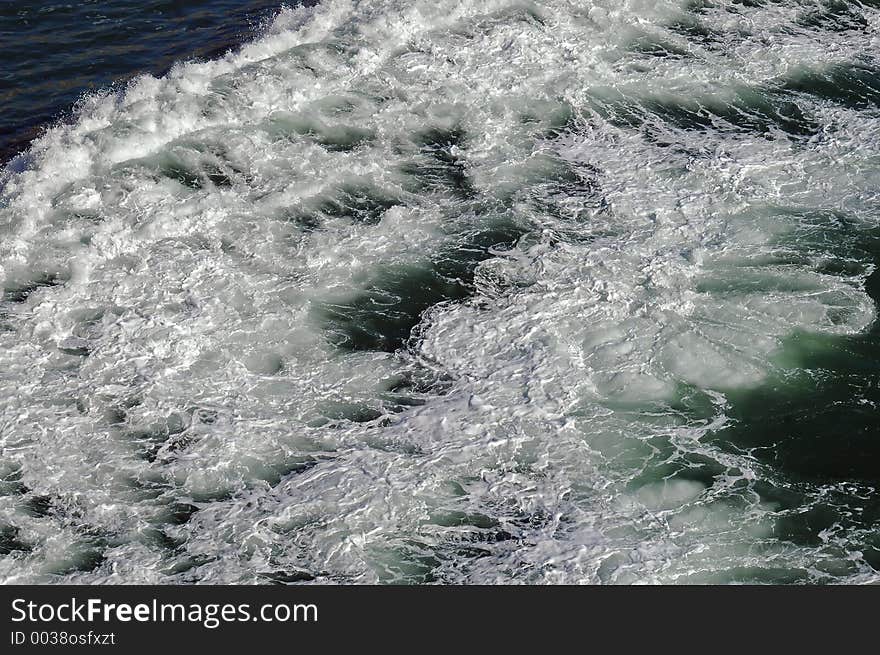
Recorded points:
(55, 51)
(455, 292)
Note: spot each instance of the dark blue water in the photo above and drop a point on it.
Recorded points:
(54, 52)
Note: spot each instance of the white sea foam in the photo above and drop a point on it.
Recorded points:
(172, 247)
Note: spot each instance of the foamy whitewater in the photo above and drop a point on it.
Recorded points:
(452, 292)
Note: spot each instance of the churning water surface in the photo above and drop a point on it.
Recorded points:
(462, 292)
(54, 50)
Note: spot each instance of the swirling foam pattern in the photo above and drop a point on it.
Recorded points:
(468, 292)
